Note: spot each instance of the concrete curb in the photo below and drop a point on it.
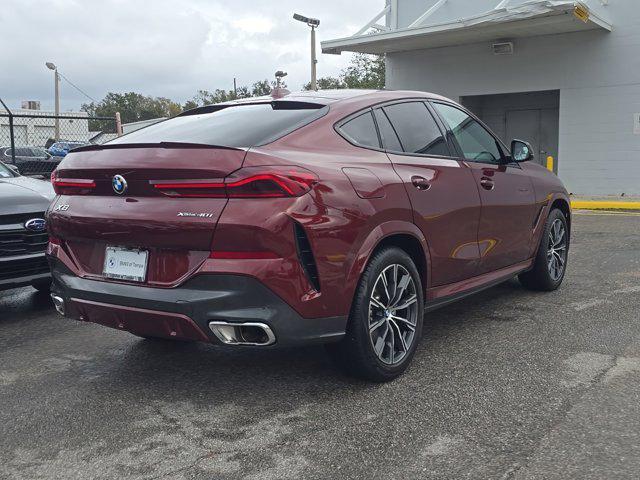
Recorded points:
(604, 205)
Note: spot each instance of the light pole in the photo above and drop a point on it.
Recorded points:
(313, 23)
(52, 66)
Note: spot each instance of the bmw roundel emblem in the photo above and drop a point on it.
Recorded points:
(35, 225)
(119, 184)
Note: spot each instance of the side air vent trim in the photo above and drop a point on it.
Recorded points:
(305, 255)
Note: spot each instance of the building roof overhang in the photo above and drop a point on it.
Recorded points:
(530, 19)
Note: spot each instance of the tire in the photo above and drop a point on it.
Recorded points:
(371, 306)
(550, 264)
(43, 286)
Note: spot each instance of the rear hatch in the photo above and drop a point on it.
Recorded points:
(151, 199)
(91, 214)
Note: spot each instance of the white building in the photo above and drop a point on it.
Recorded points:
(563, 74)
(35, 127)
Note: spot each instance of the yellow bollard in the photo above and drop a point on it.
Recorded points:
(550, 163)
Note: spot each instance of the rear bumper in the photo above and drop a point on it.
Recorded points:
(185, 312)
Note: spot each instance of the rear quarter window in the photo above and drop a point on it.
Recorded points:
(361, 131)
(235, 126)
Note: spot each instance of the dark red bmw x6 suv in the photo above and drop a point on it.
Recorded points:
(336, 217)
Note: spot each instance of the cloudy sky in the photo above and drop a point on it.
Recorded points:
(167, 48)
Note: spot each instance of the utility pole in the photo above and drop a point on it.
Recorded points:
(118, 124)
(313, 23)
(235, 87)
(52, 66)
(314, 60)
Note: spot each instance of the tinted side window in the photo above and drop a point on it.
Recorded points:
(476, 143)
(417, 129)
(389, 138)
(362, 130)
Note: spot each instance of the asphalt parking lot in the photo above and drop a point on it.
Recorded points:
(508, 384)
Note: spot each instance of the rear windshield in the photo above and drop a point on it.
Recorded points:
(235, 126)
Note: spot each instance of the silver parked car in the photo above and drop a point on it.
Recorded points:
(23, 230)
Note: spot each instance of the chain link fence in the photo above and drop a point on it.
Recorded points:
(35, 142)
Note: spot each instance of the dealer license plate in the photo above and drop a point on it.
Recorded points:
(125, 264)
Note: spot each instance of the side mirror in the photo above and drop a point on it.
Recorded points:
(521, 151)
(13, 167)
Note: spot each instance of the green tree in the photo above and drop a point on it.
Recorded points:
(190, 104)
(133, 107)
(243, 92)
(205, 97)
(364, 71)
(328, 83)
(260, 89)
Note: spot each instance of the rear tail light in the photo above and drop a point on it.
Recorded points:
(251, 182)
(71, 186)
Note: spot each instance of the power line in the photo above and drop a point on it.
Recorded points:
(78, 88)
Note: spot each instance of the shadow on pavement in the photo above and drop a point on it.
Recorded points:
(25, 302)
(176, 371)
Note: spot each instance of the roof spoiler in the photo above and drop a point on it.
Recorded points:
(114, 146)
(275, 104)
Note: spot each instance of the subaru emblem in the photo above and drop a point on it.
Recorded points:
(36, 225)
(119, 184)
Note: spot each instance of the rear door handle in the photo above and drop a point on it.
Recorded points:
(487, 183)
(420, 183)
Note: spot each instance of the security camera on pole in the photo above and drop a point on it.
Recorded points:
(279, 91)
(313, 23)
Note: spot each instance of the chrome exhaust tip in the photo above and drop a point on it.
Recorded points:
(250, 334)
(58, 302)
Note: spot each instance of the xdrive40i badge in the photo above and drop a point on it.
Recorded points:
(195, 215)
